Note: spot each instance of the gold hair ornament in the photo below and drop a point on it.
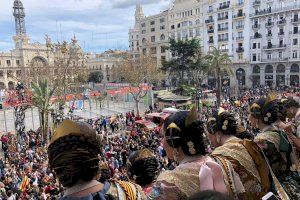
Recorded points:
(191, 148)
(173, 126)
(255, 105)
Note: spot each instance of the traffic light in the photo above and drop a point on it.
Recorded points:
(1, 106)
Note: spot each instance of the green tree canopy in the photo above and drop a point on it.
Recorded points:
(219, 65)
(95, 77)
(185, 55)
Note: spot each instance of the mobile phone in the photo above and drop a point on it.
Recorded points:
(270, 196)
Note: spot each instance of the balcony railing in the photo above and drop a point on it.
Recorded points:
(224, 7)
(269, 35)
(256, 3)
(240, 50)
(223, 39)
(239, 15)
(274, 59)
(294, 32)
(281, 22)
(224, 50)
(210, 41)
(223, 29)
(274, 46)
(239, 38)
(268, 24)
(274, 10)
(222, 18)
(210, 31)
(239, 26)
(256, 26)
(281, 33)
(295, 20)
(208, 21)
(256, 36)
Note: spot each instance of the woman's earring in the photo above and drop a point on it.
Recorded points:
(175, 155)
(218, 139)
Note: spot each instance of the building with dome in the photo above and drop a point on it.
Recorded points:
(16, 64)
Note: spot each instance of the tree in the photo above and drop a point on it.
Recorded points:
(184, 52)
(140, 73)
(95, 77)
(219, 65)
(41, 96)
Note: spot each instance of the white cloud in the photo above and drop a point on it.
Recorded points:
(96, 24)
(129, 3)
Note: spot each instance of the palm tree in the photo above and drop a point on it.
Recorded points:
(219, 65)
(41, 96)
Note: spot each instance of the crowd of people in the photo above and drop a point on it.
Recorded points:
(245, 149)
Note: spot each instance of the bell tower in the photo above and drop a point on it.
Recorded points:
(19, 13)
(139, 14)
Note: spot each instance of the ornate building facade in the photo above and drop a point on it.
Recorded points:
(14, 63)
(261, 37)
(17, 64)
(108, 63)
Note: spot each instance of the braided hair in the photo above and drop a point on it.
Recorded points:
(268, 111)
(75, 157)
(188, 137)
(224, 122)
(142, 169)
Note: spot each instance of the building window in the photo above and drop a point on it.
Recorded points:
(210, 9)
(162, 37)
(191, 33)
(254, 57)
(295, 54)
(162, 20)
(295, 41)
(162, 49)
(162, 27)
(295, 29)
(143, 31)
(152, 22)
(280, 54)
(258, 45)
(8, 63)
(152, 29)
(1, 73)
(240, 56)
(173, 27)
(153, 50)
(269, 56)
(254, 46)
(143, 24)
(144, 51)
(152, 38)
(18, 62)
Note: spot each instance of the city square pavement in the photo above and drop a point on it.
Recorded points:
(89, 111)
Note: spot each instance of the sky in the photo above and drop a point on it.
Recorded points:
(99, 25)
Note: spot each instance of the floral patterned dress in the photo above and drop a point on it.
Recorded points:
(282, 160)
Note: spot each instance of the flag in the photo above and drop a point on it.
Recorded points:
(24, 183)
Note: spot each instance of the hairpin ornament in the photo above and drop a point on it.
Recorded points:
(225, 123)
(191, 148)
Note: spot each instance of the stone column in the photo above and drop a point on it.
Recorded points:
(262, 75)
(5, 78)
(287, 75)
